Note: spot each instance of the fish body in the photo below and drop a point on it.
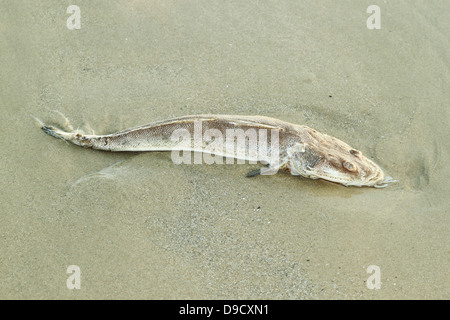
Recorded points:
(297, 148)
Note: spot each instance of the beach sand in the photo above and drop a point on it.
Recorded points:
(139, 226)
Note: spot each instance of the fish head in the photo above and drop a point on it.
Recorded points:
(333, 160)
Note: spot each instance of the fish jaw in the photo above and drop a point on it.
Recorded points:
(376, 178)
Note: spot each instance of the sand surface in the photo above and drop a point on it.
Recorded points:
(139, 226)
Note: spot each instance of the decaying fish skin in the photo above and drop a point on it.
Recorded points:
(302, 150)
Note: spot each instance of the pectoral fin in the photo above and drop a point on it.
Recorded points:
(269, 170)
(254, 173)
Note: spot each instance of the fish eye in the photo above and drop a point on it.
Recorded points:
(355, 152)
(349, 166)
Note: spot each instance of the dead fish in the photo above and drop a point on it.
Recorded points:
(300, 150)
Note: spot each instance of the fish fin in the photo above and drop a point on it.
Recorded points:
(253, 173)
(266, 171)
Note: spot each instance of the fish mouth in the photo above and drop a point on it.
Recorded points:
(375, 178)
(379, 180)
(386, 181)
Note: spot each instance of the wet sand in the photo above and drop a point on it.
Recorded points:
(139, 226)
